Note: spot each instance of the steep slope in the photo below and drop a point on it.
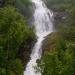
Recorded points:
(16, 39)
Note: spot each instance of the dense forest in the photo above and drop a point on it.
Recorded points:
(17, 38)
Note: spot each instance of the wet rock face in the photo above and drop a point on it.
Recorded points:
(25, 50)
(60, 15)
(1, 3)
(60, 18)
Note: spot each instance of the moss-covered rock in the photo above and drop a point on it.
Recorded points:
(50, 42)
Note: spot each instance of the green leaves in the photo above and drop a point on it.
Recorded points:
(53, 65)
(13, 32)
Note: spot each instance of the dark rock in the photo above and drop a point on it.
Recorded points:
(2, 3)
(60, 15)
(25, 50)
(60, 18)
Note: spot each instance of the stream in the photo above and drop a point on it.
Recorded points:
(43, 18)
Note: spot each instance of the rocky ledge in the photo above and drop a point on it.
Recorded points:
(50, 42)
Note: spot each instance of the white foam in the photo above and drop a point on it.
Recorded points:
(43, 26)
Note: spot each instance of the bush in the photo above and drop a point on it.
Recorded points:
(13, 32)
(53, 64)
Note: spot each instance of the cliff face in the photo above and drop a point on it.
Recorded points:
(25, 50)
(59, 47)
(2, 3)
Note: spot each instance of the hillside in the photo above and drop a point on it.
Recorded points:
(59, 47)
(16, 38)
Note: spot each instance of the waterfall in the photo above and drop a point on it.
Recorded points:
(43, 26)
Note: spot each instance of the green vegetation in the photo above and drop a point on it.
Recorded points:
(14, 31)
(59, 63)
(60, 5)
(59, 54)
(16, 39)
(59, 59)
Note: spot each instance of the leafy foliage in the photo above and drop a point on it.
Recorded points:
(14, 30)
(59, 61)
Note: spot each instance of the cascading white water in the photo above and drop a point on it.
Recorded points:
(43, 26)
